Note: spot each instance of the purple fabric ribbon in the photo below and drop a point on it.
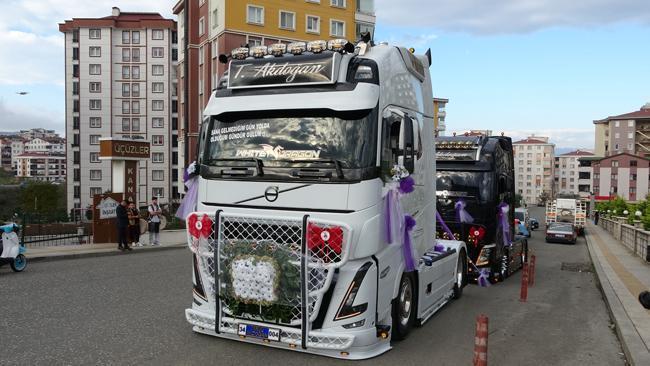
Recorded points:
(461, 214)
(407, 247)
(444, 226)
(484, 278)
(502, 214)
(188, 205)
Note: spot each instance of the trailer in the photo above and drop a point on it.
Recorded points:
(315, 223)
(476, 201)
(567, 210)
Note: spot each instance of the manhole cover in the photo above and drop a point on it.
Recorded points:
(576, 267)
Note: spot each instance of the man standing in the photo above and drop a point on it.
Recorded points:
(154, 222)
(134, 224)
(122, 226)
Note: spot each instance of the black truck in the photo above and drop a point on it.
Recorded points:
(475, 191)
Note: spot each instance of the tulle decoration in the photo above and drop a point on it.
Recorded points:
(484, 278)
(188, 205)
(462, 215)
(502, 215)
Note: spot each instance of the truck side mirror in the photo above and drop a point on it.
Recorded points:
(409, 150)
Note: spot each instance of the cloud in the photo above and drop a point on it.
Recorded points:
(561, 137)
(509, 16)
(15, 117)
(412, 40)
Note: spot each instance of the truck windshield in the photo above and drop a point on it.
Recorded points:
(279, 139)
(473, 186)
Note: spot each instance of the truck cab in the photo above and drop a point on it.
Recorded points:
(298, 153)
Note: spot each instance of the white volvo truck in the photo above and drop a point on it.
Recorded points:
(289, 238)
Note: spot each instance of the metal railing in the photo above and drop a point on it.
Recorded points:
(633, 238)
(39, 232)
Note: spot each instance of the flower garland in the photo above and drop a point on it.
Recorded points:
(199, 230)
(188, 205)
(399, 225)
(259, 279)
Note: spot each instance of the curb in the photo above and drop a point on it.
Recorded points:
(51, 258)
(624, 326)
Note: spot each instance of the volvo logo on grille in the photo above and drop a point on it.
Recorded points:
(271, 193)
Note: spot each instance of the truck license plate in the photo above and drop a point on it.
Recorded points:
(256, 331)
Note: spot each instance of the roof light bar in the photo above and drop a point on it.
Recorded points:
(297, 48)
(277, 49)
(239, 53)
(337, 45)
(317, 46)
(259, 51)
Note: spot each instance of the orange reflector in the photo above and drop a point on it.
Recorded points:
(292, 345)
(344, 354)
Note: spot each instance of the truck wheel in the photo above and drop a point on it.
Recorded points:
(404, 307)
(461, 275)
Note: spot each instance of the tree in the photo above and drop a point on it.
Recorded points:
(45, 200)
(518, 200)
(543, 197)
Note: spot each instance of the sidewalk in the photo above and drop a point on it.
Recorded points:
(169, 239)
(622, 277)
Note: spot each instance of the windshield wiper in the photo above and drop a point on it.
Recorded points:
(338, 166)
(259, 164)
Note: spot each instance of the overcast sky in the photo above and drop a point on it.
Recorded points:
(548, 67)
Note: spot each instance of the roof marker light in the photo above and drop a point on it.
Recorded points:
(316, 46)
(337, 45)
(277, 49)
(258, 51)
(297, 48)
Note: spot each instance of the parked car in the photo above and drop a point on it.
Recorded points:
(561, 232)
(534, 224)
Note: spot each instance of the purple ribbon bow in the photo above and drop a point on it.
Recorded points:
(461, 214)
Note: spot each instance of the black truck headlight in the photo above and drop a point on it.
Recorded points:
(485, 254)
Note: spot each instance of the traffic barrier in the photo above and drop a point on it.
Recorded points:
(531, 280)
(481, 341)
(523, 295)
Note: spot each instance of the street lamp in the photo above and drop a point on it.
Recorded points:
(625, 212)
(638, 213)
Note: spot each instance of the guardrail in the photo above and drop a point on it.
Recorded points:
(635, 239)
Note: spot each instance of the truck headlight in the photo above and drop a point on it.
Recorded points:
(484, 255)
(347, 309)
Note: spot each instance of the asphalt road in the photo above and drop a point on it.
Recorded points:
(129, 310)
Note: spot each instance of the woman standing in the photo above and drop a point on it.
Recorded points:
(134, 224)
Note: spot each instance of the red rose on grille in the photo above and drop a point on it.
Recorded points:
(323, 240)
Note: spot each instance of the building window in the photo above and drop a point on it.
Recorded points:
(157, 34)
(135, 72)
(95, 122)
(157, 52)
(95, 174)
(75, 36)
(630, 135)
(632, 177)
(94, 34)
(135, 37)
(94, 157)
(126, 37)
(77, 191)
(76, 121)
(633, 163)
(614, 163)
(126, 124)
(157, 122)
(75, 88)
(255, 15)
(254, 41)
(157, 140)
(157, 70)
(95, 69)
(215, 18)
(126, 54)
(126, 89)
(201, 55)
(632, 190)
(95, 51)
(338, 3)
(617, 124)
(158, 157)
(135, 90)
(95, 104)
(95, 87)
(287, 20)
(157, 87)
(157, 175)
(337, 28)
(313, 24)
(135, 55)
(75, 54)
(94, 139)
(126, 72)
(157, 105)
(158, 192)
(135, 107)
(201, 26)
(95, 191)
(135, 124)
(126, 107)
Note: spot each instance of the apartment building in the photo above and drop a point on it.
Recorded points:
(208, 28)
(37, 133)
(623, 175)
(439, 115)
(120, 82)
(54, 145)
(534, 168)
(5, 154)
(573, 175)
(41, 166)
(625, 133)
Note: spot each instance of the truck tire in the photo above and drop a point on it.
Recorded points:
(404, 307)
(461, 275)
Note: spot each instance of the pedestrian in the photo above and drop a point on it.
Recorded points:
(134, 225)
(154, 222)
(596, 214)
(122, 226)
